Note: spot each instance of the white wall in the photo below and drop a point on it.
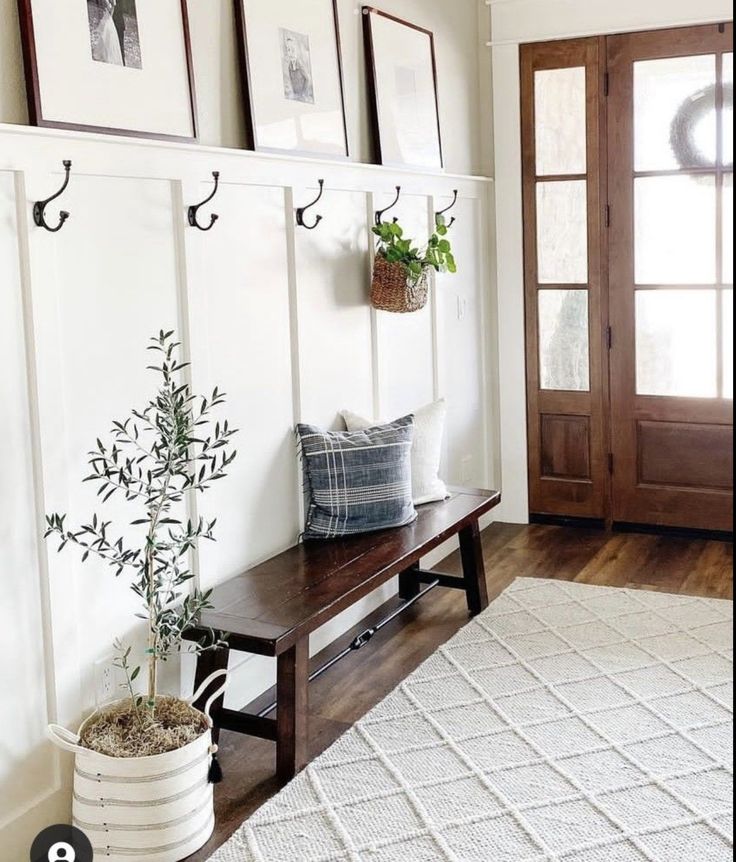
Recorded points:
(276, 315)
(461, 57)
(514, 22)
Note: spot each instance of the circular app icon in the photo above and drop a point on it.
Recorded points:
(61, 844)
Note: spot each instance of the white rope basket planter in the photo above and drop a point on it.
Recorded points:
(158, 808)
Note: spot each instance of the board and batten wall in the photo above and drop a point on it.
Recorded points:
(514, 22)
(276, 315)
(463, 62)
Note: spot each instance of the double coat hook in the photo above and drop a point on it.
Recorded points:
(437, 215)
(39, 208)
(194, 209)
(301, 210)
(379, 213)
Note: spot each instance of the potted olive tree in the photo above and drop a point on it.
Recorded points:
(145, 764)
(401, 269)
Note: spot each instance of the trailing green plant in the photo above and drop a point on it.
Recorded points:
(156, 457)
(437, 253)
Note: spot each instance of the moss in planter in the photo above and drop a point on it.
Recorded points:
(115, 731)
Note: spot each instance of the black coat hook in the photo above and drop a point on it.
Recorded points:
(379, 213)
(39, 208)
(194, 209)
(301, 210)
(447, 209)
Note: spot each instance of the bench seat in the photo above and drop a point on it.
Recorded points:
(272, 608)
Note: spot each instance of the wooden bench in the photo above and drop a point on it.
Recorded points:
(272, 609)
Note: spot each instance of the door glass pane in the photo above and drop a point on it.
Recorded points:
(562, 232)
(675, 235)
(674, 112)
(728, 229)
(727, 312)
(563, 339)
(559, 117)
(728, 110)
(676, 343)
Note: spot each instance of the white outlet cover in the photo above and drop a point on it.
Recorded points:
(462, 307)
(106, 680)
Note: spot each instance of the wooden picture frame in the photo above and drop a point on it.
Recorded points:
(43, 115)
(261, 71)
(397, 145)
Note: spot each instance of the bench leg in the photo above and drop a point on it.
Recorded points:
(208, 662)
(474, 574)
(291, 710)
(409, 584)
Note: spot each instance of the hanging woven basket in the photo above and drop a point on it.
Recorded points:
(395, 289)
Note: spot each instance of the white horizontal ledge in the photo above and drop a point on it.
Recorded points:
(33, 135)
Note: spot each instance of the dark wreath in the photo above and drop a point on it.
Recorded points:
(689, 114)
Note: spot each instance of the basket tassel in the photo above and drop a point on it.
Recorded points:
(215, 774)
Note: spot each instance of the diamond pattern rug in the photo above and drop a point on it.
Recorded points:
(567, 722)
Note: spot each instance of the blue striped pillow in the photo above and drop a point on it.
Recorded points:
(359, 481)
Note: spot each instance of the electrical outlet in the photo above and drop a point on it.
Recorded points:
(466, 468)
(462, 307)
(106, 676)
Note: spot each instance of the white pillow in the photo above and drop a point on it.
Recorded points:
(426, 450)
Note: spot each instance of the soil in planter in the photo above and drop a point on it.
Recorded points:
(115, 731)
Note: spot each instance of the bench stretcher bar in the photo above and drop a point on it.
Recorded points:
(362, 639)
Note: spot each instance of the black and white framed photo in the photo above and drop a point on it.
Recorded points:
(292, 71)
(113, 66)
(402, 82)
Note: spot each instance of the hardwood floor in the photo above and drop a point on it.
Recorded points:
(346, 692)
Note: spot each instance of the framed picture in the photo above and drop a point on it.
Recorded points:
(402, 83)
(292, 73)
(120, 67)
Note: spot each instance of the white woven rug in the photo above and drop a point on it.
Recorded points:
(567, 722)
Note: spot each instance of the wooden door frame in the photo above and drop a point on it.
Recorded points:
(553, 495)
(611, 337)
(627, 408)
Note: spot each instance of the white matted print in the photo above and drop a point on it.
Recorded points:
(293, 73)
(119, 66)
(402, 72)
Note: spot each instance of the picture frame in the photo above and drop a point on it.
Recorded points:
(402, 87)
(292, 71)
(123, 68)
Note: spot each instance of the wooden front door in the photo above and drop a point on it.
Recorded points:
(627, 155)
(562, 93)
(670, 166)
